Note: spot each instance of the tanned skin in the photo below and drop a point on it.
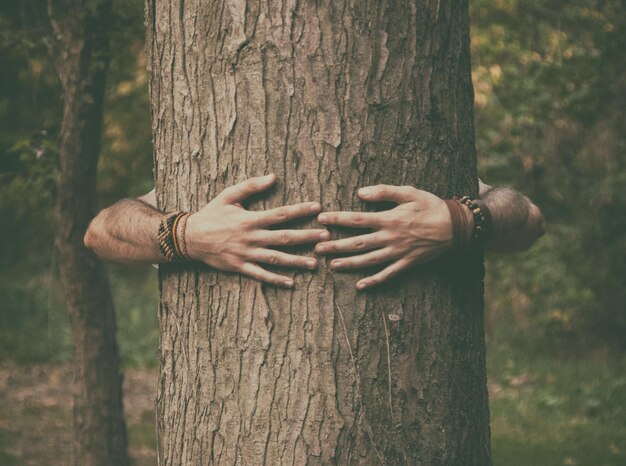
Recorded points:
(228, 237)
(222, 234)
(419, 229)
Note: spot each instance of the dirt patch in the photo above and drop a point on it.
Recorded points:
(36, 420)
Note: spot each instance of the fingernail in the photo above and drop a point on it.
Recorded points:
(324, 235)
(365, 191)
(268, 177)
(315, 207)
(335, 264)
(320, 248)
(311, 264)
(322, 218)
(288, 283)
(361, 285)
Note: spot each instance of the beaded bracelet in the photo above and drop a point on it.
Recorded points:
(467, 234)
(482, 219)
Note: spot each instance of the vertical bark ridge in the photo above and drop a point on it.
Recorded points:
(330, 96)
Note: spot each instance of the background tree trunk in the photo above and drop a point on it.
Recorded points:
(81, 57)
(330, 96)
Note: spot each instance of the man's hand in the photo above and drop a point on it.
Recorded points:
(417, 230)
(228, 237)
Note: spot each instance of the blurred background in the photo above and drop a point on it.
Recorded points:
(550, 81)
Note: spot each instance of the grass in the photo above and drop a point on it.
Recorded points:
(555, 410)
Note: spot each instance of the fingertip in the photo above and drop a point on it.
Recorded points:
(270, 178)
(316, 207)
(322, 218)
(366, 192)
(288, 283)
(361, 285)
(324, 235)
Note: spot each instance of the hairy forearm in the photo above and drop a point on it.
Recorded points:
(517, 222)
(126, 232)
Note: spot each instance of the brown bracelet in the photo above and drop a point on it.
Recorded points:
(487, 220)
(167, 237)
(482, 220)
(461, 228)
(180, 235)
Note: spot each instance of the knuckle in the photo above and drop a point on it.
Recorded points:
(359, 244)
(284, 238)
(357, 219)
(281, 213)
(273, 259)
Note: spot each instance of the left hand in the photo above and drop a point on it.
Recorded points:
(417, 230)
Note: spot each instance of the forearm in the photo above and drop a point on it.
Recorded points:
(517, 222)
(126, 232)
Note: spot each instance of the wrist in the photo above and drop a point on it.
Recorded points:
(192, 236)
(171, 236)
(481, 220)
(461, 220)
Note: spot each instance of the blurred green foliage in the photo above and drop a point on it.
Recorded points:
(33, 325)
(550, 84)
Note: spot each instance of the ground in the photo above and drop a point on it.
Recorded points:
(546, 410)
(35, 418)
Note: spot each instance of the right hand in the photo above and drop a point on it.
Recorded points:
(228, 237)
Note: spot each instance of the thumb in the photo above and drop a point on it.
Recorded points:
(385, 192)
(239, 192)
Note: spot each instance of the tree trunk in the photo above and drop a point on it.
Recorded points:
(330, 96)
(81, 57)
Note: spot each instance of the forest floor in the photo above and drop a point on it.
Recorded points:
(544, 411)
(36, 415)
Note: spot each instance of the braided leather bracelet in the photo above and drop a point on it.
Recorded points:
(171, 236)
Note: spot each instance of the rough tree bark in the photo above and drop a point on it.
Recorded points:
(330, 96)
(80, 52)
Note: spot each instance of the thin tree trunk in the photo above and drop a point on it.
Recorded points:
(330, 96)
(81, 56)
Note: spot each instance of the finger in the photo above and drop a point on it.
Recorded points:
(351, 219)
(291, 237)
(384, 275)
(259, 273)
(355, 243)
(271, 256)
(239, 192)
(386, 192)
(363, 260)
(287, 213)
